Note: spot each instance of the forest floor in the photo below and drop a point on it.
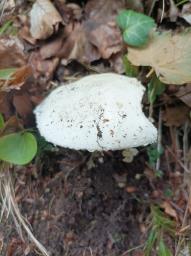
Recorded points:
(95, 204)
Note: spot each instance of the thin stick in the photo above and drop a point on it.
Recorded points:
(159, 139)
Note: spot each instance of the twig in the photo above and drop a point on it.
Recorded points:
(159, 139)
(163, 9)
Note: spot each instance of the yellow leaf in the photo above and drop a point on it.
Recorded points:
(169, 54)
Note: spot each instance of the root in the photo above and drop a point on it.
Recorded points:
(10, 207)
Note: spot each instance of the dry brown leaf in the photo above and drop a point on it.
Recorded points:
(43, 68)
(184, 94)
(23, 105)
(168, 54)
(17, 79)
(169, 210)
(5, 104)
(97, 36)
(100, 26)
(11, 52)
(176, 116)
(44, 19)
(76, 46)
(186, 12)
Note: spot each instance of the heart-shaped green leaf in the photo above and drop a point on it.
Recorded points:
(135, 26)
(18, 148)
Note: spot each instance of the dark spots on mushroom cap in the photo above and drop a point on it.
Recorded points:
(81, 126)
(112, 133)
(99, 132)
(105, 120)
(124, 115)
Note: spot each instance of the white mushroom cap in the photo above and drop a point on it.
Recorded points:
(98, 112)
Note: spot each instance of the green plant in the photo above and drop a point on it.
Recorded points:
(16, 147)
(160, 225)
(130, 70)
(8, 29)
(153, 154)
(5, 74)
(135, 27)
(155, 89)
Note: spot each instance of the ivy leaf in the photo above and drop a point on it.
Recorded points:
(135, 26)
(18, 148)
(168, 54)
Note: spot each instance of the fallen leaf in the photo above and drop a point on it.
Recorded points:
(44, 19)
(186, 12)
(173, 11)
(43, 69)
(97, 36)
(11, 52)
(101, 28)
(76, 46)
(51, 49)
(176, 116)
(169, 210)
(166, 54)
(5, 104)
(184, 94)
(23, 105)
(16, 79)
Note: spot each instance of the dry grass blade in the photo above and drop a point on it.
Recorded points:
(10, 207)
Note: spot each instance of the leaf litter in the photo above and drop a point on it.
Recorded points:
(169, 54)
(109, 203)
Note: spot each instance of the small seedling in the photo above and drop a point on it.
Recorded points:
(153, 154)
(16, 147)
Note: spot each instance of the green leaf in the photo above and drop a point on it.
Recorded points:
(150, 242)
(2, 122)
(135, 26)
(18, 148)
(130, 70)
(163, 250)
(5, 74)
(155, 88)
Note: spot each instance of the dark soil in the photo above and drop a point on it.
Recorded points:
(78, 211)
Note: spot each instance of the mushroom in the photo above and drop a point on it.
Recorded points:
(97, 112)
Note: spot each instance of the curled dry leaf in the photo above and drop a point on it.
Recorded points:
(11, 52)
(176, 116)
(169, 210)
(44, 19)
(76, 46)
(17, 79)
(166, 54)
(97, 36)
(186, 12)
(184, 94)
